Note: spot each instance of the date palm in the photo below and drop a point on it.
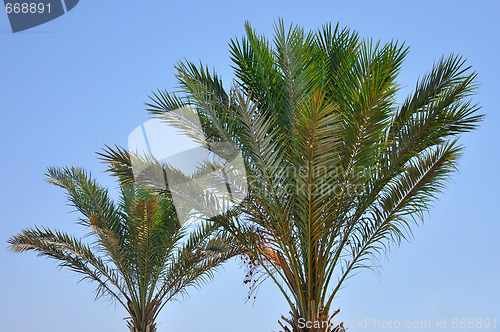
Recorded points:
(140, 255)
(338, 170)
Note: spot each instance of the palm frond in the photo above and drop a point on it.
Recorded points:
(71, 253)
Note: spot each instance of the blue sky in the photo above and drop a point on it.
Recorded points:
(80, 81)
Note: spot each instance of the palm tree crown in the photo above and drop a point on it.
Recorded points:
(337, 169)
(140, 255)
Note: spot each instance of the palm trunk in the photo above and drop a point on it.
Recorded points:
(135, 326)
(320, 322)
(142, 320)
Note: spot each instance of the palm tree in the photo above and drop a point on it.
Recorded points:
(140, 255)
(337, 169)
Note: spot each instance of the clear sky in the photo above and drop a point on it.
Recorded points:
(71, 85)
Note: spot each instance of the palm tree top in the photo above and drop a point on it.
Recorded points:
(137, 253)
(338, 170)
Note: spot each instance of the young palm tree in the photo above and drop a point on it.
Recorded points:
(337, 169)
(141, 256)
